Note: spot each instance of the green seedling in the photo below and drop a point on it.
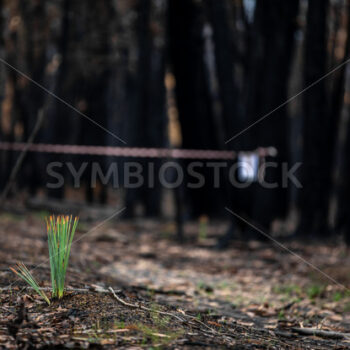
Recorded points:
(315, 291)
(60, 233)
(25, 274)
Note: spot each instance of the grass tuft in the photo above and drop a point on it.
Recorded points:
(60, 234)
(25, 274)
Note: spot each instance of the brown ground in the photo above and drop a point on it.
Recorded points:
(251, 296)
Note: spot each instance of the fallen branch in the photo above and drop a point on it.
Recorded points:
(144, 308)
(321, 333)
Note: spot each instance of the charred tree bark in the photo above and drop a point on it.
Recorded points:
(147, 127)
(342, 223)
(152, 114)
(91, 95)
(57, 115)
(2, 95)
(226, 113)
(316, 123)
(270, 64)
(224, 60)
(32, 97)
(186, 55)
(343, 215)
(341, 160)
(337, 103)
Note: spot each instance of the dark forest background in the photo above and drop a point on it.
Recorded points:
(190, 74)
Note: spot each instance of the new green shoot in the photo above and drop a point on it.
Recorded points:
(60, 234)
(25, 274)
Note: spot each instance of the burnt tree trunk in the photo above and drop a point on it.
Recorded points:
(193, 96)
(224, 60)
(342, 223)
(2, 95)
(57, 122)
(342, 148)
(271, 57)
(316, 123)
(147, 127)
(32, 97)
(92, 88)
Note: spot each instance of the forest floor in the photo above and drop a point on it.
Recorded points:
(168, 295)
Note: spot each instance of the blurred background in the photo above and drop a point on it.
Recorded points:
(186, 74)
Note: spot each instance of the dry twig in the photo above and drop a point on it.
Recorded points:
(321, 333)
(121, 301)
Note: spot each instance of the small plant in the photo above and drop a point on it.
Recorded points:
(315, 291)
(60, 233)
(25, 274)
(281, 315)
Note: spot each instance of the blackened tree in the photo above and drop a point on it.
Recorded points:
(316, 123)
